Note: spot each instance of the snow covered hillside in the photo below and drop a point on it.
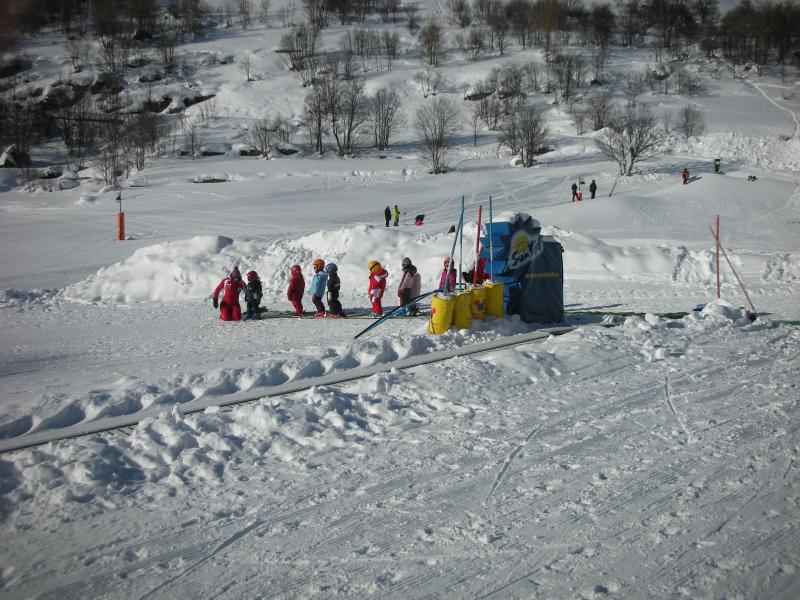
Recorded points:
(656, 458)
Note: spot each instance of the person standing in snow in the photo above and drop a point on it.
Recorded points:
(686, 176)
(476, 273)
(410, 286)
(377, 286)
(574, 191)
(447, 281)
(252, 295)
(297, 285)
(387, 214)
(592, 188)
(396, 216)
(231, 287)
(317, 286)
(334, 283)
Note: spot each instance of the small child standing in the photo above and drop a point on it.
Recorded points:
(334, 283)
(377, 285)
(318, 285)
(297, 286)
(252, 295)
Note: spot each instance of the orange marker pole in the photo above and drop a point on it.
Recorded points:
(120, 225)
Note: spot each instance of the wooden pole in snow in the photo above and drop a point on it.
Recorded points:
(736, 275)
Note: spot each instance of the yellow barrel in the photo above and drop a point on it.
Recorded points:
(494, 299)
(462, 317)
(442, 307)
(477, 303)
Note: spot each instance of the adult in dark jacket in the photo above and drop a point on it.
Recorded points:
(592, 188)
(574, 191)
(334, 283)
(387, 214)
(252, 295)
(231, 287)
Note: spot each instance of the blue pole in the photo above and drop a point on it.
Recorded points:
(491, 248)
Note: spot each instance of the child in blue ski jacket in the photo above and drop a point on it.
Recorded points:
(317, 286)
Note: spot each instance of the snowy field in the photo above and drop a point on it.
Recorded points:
(659, 458)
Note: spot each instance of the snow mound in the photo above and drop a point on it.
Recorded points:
(171, 271)
(770, 154)
(190, 269)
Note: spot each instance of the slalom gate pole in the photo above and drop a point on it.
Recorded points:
(461, 246)
(717, 236)
(735, 274)
(452, 256)
(491, 246)
(477, 246)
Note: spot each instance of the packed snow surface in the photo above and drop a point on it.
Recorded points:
(657, 458)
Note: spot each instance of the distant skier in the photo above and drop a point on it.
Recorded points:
(334, 283)
(377, 286)
(686, 176)
(410, 286)
(447, 281)
(592, 189)
(387, 214)
(297, 285)
(231, 287)
(396, 216)
(252, 295)
(317, 286)
(574, 191)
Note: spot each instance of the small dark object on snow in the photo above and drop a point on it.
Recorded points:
(418, 220)
(752, 178)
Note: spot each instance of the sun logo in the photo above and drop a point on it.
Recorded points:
(524, 247)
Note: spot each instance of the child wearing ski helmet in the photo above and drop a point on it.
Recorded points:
(297, 286)
(317, 287)
(334, 283)
(447, 281)
(231, 287)
(377, 285)
(252, 295)
(410, 286)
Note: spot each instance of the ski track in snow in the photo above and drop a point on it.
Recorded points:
(510, 550)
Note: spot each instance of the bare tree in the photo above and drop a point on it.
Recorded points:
(282, 129)
(245, 13)
(475, 122)
(690, 121)
(260, 136)
(429, 81)
(412, 19)
(78, 51)
(524, 133)
(461, 12)
(192, 136)
(347, 110)
(246, 66)
(599, 111)
(431, 41)
(631, 137)
(666, 121)
(263, 10)
(391, 46)
(165, 43)
(314, 112)
(437, 122)
(386, 115)
(300, 45)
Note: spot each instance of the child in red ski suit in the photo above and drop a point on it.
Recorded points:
(231, 287)
(377, 285)
(297, 287)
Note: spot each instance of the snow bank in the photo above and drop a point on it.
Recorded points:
(190, 269)
(171, 271)
(770, 154)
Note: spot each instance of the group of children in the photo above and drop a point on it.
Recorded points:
(324, 283)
